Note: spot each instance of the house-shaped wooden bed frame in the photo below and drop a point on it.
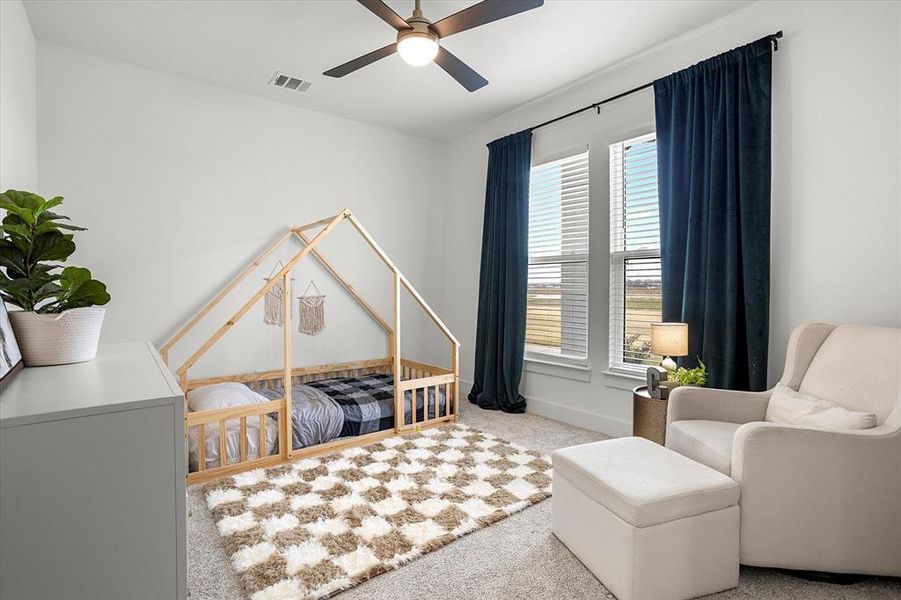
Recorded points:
(409, 375)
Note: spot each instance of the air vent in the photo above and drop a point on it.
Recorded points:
(294, 84)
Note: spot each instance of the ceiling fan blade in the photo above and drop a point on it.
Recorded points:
(459, 70)
(384, 12)
(359, 63)
(482, 13)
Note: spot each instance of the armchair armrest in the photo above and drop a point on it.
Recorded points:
(757, 445)
(820, 500)
(716, 405)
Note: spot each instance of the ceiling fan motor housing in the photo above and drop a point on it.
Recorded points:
(419, 27)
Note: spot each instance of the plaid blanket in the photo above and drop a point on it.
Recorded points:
(368, 402)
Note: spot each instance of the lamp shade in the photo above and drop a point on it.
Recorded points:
(669, 339)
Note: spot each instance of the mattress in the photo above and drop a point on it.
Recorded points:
(368, 402)
(315, 418)
(347, 406)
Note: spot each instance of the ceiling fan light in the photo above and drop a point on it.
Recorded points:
(417, 48)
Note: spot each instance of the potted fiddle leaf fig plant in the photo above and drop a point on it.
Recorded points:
(61, 307)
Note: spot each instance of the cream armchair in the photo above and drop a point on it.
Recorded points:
(810, 499)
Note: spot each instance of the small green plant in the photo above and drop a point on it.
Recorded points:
(34, 240)
(696, 376)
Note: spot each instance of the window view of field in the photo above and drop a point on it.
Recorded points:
(545, 328)
(642, 308)
(544, 317)
(637, 248)
(557, 297)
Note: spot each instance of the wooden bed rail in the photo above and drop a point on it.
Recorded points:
(198, 422)
(235, 412)
(298, 373)
(414, 384)
(437, 394)
(421, 381)
(410, 369)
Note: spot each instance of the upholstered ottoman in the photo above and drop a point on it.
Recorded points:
(649, 523)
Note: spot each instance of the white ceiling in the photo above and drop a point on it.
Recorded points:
(240, 44)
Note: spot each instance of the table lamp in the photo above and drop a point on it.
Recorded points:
(667, 340)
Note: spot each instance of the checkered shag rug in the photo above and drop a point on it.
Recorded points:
(314, 527)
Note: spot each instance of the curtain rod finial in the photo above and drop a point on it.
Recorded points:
(775, 39)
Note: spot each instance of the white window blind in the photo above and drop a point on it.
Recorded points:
(557, 305)
(635, 287)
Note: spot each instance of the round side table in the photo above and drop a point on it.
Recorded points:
(648, 416)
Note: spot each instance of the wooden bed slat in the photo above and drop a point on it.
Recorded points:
(243, 440)
(223, 446)
(262, 447)
(448, 399)
(201, 447)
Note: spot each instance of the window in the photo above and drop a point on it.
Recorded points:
(557, 305)
(635, 289)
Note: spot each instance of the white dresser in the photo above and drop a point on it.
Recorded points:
(92, 479)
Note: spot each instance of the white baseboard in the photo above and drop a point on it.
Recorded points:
(579, 418)
(568, 415)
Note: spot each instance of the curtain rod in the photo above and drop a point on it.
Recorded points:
(773, 37)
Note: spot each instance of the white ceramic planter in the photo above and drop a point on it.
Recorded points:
(59, 339)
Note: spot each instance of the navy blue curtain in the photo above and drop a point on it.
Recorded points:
(713, 153)
(503, 280)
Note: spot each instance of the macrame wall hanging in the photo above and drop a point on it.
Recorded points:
(274, 305)
(312, 310)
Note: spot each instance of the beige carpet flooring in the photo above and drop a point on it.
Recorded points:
(517, 558)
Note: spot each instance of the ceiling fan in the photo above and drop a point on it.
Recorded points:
(418, 38)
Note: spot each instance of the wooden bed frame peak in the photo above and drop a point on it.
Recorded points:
(409, 375)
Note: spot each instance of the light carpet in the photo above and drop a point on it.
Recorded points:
(314, 527)
(517, 558)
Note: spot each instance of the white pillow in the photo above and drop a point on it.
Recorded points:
(788, 406)
(222, 395)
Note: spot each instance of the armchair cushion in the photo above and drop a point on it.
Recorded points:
(706, 442)
(857, 367)
(788, 406)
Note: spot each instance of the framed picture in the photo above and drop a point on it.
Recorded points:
(10, 356)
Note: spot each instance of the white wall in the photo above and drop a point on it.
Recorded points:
(18, 109)
(181, 184)
(836, 182)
